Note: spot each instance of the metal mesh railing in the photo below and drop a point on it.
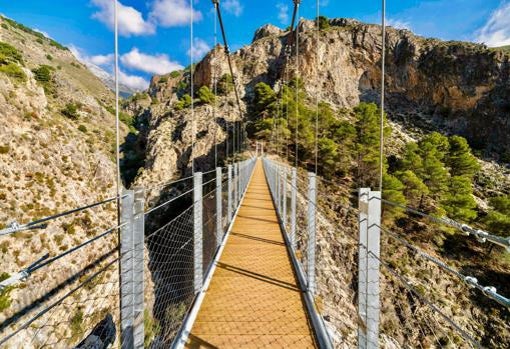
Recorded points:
(72, 296)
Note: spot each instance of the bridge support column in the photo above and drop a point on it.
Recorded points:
(293, 206)
(132, 268)
(284, 197)
(312, 236)
(219, 211)
(368, 268)
(236, 182)
(229, 196)
(197, 232)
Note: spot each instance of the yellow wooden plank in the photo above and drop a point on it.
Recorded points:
(253, 300)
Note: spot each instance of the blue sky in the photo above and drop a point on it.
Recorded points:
(155, 34)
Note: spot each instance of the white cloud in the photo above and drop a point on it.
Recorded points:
(154, 64)
(233, 7)
(131, 21)
(200, 48)
(133, 81)
(283, 13)
(173, 13)
(496, 32)
(43, 33)
(102, 59)
(398, 24)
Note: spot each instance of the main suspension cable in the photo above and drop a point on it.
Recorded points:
(383, 67)
(227, 52)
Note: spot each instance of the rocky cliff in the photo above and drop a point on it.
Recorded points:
(57, 153)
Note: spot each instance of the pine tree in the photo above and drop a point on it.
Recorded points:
(459, 202)
(393, 191)
(460, 159)
(498, 219)
(414, 188)
(367, 143)
(205, 95)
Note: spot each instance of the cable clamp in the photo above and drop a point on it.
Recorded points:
(466, 229)
(481, 236)
(471, 281)
(490, 291)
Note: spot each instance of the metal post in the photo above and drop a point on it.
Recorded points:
(219, 212)
(127, 310)
(229, 190)
(312, 202)
(197, 228)
(293, 206)
(277, 174)
(284, 197)
(373, 243)
(362, 266)
(138, 270)
(368, 274)
(236, 180)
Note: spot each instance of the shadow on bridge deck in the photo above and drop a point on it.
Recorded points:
(253, 299)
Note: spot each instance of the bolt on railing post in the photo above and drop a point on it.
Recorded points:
(138, 270)
(197, 232)
(284, 197)
(229, 193)
(127, 310)
(219, 211)
(293, 207)
(368, 265)
(312, 234)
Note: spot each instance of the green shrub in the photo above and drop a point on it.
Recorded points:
(4, 149)
(82, 128)
(225, 84)
(5, 300)
(184, 102)
(43, 73)
(71, 111)
(40, 41)
(5, 26)
(49, 57)
(163, 80)
(175, 74)
(323, 23)
(14, 71)
(9, 54)
(76, 323)
(205, 95)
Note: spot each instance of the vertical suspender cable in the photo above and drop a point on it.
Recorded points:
(116, 73)
(117, 136)
(215, 91)
(297, 84)
(383, 67)
(192, 89)
(316, 145)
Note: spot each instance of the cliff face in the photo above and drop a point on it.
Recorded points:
(56, 154)
(453, 86)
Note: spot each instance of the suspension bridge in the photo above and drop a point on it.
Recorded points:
(239, 256)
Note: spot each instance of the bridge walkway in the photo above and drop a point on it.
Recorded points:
(253, 299)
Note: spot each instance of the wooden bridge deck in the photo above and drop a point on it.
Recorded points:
(253, 300)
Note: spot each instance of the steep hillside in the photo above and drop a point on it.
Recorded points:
(57, 153)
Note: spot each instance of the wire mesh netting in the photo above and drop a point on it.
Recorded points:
(71, 299)
(171, 266)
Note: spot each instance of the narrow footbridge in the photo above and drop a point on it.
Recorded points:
(254, 297)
